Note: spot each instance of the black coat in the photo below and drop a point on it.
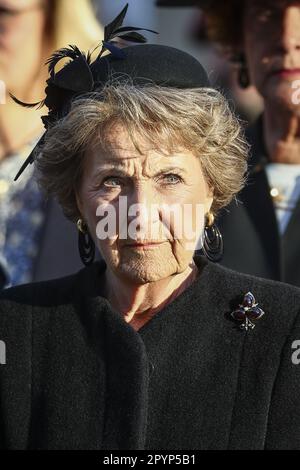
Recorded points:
(77, 376)
(252, 242)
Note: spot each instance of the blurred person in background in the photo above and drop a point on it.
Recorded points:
(189, 27)
(31, 246)
(262, 231)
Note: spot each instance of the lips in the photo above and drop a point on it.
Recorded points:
(145, 244)
(287, 72)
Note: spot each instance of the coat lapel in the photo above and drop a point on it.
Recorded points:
(258, 202)
(126, 362)
(127, 386)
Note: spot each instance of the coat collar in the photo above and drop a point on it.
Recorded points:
(126, 362)
(257, 199)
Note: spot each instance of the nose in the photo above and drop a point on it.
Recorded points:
(144, 210)
(290, 29)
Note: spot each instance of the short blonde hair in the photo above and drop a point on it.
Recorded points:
(199, 120)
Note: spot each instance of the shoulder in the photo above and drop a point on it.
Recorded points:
(268, 286)
(53, 292)
(42, 292)
(43, 295)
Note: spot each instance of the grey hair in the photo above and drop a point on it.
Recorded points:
(198, 119)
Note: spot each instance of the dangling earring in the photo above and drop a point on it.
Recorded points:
(86, 244)
(212, 239)
(243, 74)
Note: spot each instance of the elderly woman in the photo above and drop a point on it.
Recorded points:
(154, 346)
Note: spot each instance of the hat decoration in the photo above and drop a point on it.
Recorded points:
(76, 76)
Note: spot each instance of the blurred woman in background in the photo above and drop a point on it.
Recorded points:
(31, 248)
(261, 235)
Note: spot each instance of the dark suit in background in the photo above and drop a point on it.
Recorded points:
(58, 254)
(252, 241)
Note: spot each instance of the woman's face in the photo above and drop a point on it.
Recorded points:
(156, 203)
(22, 32)
(272, 47)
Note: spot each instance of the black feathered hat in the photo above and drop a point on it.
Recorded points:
(143, 63)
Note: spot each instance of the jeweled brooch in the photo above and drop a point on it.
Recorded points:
(248, 312)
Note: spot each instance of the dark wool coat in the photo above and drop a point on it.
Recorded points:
(77, 376)
(252, 242)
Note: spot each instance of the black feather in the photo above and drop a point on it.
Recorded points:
(29, 160)
(115, 51)
(40, 104)
(71, 52)
(133, 37)
(115, 24)
(125, 29)
(90, 52)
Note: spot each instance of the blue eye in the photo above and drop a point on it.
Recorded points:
(172, 178)
(112, 181)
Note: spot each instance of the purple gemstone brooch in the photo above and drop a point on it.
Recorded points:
(248, 312)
